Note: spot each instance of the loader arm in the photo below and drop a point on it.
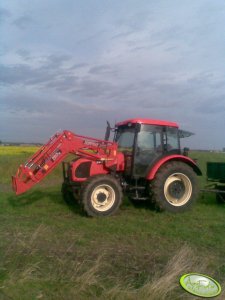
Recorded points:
(54, 151)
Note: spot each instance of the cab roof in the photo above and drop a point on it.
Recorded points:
(148, 122)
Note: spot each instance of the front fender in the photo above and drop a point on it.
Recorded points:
(162, 161)
(83, 168)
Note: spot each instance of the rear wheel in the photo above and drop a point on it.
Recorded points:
(101, 195)
(175, 187)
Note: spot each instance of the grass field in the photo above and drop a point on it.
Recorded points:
(51, 250)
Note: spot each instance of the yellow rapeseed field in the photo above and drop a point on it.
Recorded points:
(15, 150)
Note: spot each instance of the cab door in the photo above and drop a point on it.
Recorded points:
(125, 138)
(149, 146)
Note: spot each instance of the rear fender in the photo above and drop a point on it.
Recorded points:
(185, 159)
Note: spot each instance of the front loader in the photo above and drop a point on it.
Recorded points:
(144, 161)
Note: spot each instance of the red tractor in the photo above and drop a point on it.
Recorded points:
(144, 161)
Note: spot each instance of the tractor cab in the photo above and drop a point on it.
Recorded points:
(144, 141)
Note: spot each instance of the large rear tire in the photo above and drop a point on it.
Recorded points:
(175, 187)
(101, 195)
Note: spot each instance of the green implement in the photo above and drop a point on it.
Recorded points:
(216, 171)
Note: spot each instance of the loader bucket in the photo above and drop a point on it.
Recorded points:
(18, 186)
(22, 181)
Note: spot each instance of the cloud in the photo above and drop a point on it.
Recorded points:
(24, 54)
(49, 106)
(108, 86)
(78, 66)
(49, 72)
(101, 69)
(65, 83)
(23, 22)
(39, 116)
(111, 61)
(24, 75)
(4, 15)
(88, 88)
(56, 60)
(212, 106)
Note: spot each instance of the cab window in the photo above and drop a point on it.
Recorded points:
(125, 139)
(172, 140)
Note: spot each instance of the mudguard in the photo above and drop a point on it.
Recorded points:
(162, 161)
(83, 168)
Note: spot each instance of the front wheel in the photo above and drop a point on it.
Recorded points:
(101, 195)
(175, 187)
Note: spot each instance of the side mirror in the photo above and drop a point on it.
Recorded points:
(107, 132)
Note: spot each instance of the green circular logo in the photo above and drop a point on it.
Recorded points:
(200, 285)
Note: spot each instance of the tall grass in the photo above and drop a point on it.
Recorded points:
(164, 284)
(69, 276)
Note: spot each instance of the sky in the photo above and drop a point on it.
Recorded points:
(74, 64)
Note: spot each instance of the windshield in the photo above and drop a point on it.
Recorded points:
(125, 138)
